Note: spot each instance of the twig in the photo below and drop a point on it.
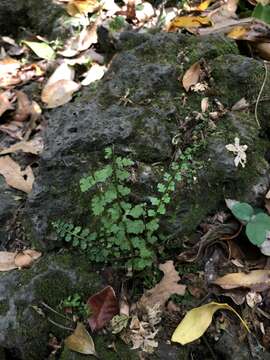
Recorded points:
(54, 311)
(59, 325)
(260, 93)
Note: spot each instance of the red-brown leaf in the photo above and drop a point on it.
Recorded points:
(104, 307)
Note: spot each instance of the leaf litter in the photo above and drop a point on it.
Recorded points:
(140, 324)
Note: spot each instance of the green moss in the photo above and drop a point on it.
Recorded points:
(4, 306)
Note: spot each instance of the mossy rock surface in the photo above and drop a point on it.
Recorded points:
(23, 331)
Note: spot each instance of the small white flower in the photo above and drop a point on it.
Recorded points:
(239, 151)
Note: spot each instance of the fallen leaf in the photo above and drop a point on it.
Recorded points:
(59, 93)
(34, 146)
(197, 321)
(24, 107)
(238, 33)
(263, 49)
(41, 49)
(9, 72)
(14, 129)
(95, 73)
(204, 104)
(253, 299)
(13, 260)
(164, 289)
(191, 76)
(6, 98)
(25, 258)
(242, 104)
(189, 22)
(81, 341)
(255, 279)
(104, 307)
(15, 177)
(81, 42)
(62, 72)
(7, 261)
(76, 7)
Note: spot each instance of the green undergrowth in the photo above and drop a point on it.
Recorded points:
(123, 232)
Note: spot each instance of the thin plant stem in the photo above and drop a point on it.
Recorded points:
(259, 96)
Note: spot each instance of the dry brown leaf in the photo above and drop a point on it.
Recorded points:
(263, 50)
(24, 107)
(191, 76)
(242, 104)
(6, 98)
(13, 260)
(257, 280)
(204, 104)
(189, 22)
(26, 258)
(14, 129)
(15, 177)
(164, 289)
(9, 72)
(82, 42)
(7, 261)
(59, 93)
(81, 341)
(34, 146)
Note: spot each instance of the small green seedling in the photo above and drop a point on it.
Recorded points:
(257, 222)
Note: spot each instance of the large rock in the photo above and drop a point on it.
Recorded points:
(138, 108)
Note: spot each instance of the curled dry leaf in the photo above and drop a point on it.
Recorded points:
(95, 73)
(204, 104)
(104, 307)
(257, 280)
(81, 341)
(6, 98)
(14, 129)
(15, 177)
(253, 299)
(26, 258)
(13, 260)
(197, 321)
(34, 146)
(242, 104)
(191, 76)
(24, 107)
(164, 289)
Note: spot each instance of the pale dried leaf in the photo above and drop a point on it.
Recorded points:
(204, 104)
(5, 101)
(59, 93)
(62, 72)
(95, 73)
(263, 50)
(164, 289)
(7, 261)
(81, 341)
(253, 298)
(242, 104)
(34, 146)
(14, 129)
(15, 177)
(257, 280)
(191, 76)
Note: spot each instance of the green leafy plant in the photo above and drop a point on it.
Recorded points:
(121, 230)
(76, 305)
(257, 222)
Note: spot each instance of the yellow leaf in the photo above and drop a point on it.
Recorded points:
(204, 5)
(189, 22)
(81, 341)
(237, 33)
(76, 7)
(197, 321)
(191, 76)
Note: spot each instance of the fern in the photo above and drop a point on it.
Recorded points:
(123, 231)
